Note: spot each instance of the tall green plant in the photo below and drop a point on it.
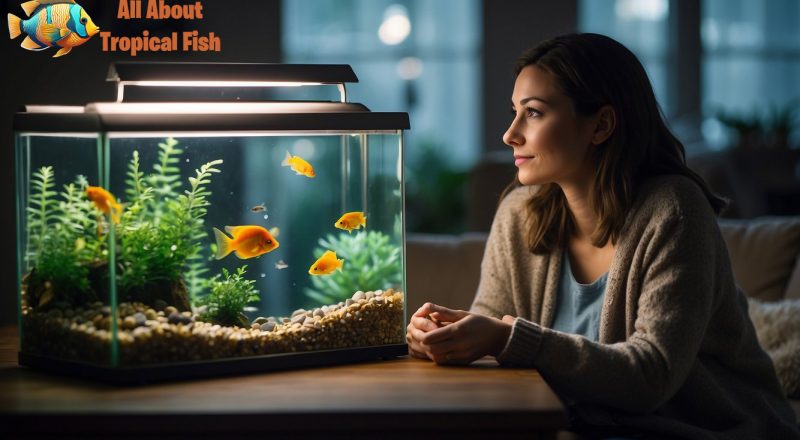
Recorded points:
(63, 239)
(163, 230)
(40, 209)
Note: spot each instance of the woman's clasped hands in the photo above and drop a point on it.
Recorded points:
(455, 337)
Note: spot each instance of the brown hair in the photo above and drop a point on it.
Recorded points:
(594, 70)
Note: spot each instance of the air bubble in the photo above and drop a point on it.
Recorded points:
(266, 216)
(174, 248)
(263, 275)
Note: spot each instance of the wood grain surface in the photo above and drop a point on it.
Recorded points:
(386, 399)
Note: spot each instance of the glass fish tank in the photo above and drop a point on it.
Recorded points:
(204, 224)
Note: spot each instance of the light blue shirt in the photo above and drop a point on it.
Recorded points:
(578, 305)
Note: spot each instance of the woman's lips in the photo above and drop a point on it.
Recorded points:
(519, 160)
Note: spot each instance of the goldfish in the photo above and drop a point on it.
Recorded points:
(105, 202)
(298, 165)
(247, 241)
(52, 23)
(259, 208)
(326, 264)
(351, 220)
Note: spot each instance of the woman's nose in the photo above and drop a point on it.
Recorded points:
(512, 136)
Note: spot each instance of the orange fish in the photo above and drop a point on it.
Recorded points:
(351, 220)
(298, 165)
(326, 264)
(105, 202)
(248, 241)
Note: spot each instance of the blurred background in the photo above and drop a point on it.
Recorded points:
(726, 73)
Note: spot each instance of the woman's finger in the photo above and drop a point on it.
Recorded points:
(446, 315)
(423, 324)
(447, 346)
(419, 355)
(438, 335)
(425, 310)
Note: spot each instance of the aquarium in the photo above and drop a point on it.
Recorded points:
(199, 225)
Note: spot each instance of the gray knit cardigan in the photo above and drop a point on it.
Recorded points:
(677, 354)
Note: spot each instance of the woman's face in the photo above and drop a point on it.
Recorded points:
(550, 141)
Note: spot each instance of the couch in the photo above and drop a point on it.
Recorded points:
(445, 269)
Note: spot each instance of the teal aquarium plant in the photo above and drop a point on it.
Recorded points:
(373, 262)
(125, 272)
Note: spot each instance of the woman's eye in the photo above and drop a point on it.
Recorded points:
(531, 113)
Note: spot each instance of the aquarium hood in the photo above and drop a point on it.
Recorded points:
(249, 116)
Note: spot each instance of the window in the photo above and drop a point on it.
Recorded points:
(407, 57)
(751, 62)
(641, 25)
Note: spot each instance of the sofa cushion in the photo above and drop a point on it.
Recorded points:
(443, 269)
(777, 326)
(763, 253)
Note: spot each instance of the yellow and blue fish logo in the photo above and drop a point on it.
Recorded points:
(52, 23)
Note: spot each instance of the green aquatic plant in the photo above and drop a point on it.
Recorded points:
(227, 298)
(159, 251)
(63, 243)
(162, 232)
(40, 209)
(165, 179)
(371, 261)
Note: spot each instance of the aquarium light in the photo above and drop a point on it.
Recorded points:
(219, 83)
(53, 109)
(81, 135)
(229, 75)
(231, 134)
(220, 107)
(184, 83)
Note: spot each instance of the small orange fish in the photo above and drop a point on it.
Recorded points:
(351, 220)
(248, 241)
(105, 202)
(326, 264)
(298, 165)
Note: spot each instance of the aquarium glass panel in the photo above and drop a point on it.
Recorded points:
(63, 242)
(231, 246)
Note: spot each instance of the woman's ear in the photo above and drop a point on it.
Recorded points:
(606, 119)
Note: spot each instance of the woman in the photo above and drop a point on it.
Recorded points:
(605, 268)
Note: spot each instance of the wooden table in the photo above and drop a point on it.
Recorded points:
(382, 400)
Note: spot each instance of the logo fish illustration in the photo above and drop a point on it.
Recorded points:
(52, 23)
